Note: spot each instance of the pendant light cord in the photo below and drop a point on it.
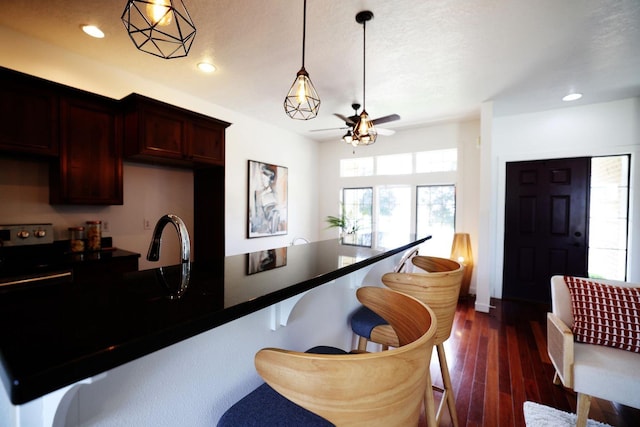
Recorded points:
(364, 65)
(304, 29)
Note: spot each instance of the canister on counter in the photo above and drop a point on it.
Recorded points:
(94, 235)
(76, 239)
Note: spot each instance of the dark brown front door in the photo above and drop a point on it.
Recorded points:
(546, 217)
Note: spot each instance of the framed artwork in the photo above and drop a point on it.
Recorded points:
(266, 260)
(267, 199)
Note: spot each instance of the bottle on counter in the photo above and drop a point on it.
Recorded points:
(94, 235)
(76, 239)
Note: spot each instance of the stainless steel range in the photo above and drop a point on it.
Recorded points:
(25, 234)
(29, 256)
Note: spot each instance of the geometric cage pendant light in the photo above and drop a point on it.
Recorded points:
(161, 28)
(302, 101)
(364, 133)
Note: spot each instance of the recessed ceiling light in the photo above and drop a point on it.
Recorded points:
(572, 97)
(93, 31)
(206, 67)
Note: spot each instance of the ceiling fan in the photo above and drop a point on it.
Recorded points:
(350, 121)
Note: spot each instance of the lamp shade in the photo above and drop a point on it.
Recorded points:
(302, 102)
(364, 132)
(461, 252)
(161, 28)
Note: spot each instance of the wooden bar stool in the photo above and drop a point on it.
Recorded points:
(363, 321)
(359, 389)
(439, 288)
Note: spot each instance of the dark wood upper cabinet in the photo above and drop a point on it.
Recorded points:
(28, 115)
(89, 170)
(155, 132)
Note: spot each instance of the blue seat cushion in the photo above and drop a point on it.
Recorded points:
(265, 407)
(364, 320)
(324, 349)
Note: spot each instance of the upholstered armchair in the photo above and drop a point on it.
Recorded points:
(593, 341)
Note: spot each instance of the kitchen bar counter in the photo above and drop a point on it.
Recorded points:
(54, 336)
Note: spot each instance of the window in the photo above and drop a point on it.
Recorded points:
(358, 210)
(396, 164)
(435, 215)
(608, 217)
(361, 166)
(437, 161)
(393, 224)
(387, 198)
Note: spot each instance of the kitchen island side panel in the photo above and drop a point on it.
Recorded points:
(195, 381)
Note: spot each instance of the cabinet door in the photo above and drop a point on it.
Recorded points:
(160, 133)
(90, 166)
(163, 134)
(28, 117)
(206, 142)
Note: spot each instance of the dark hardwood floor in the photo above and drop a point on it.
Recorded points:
(499, 360)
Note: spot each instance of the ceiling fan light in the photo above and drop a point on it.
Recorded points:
(364, 131)
(348, 137)
(161, 28)
(302, 102)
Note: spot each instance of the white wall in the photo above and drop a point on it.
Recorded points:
(153, 191)
(588, 130)
(463, 135)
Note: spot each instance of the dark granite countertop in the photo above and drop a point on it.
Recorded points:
(53, 336)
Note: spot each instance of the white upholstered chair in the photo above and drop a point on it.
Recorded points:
(589, 369)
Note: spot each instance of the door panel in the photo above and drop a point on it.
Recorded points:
(545, 225)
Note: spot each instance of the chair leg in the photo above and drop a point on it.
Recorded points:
(429, 404)
(448, 387)
(362, 344)
(584, 401)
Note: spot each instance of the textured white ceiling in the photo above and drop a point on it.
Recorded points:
(426, 60)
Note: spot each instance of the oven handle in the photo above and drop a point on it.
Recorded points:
(42, 278)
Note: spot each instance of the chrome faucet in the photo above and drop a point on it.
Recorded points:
(183, 235)
(185, 253)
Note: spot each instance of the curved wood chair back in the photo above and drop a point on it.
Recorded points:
(432, 264)
(362, 389)
(439, 288)
(405, 260)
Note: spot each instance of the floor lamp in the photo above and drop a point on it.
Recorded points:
(461, 252)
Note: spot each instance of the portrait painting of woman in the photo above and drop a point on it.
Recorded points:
(267, 199)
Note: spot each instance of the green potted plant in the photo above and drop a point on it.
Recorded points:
(348, 227)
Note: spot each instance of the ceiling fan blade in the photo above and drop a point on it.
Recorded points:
(386, 132)
(323, 130)
(386, 119)
(344, 118)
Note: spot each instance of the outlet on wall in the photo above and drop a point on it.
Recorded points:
(105, 226)
(146, 224)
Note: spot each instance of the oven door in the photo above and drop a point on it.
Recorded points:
(37, 279)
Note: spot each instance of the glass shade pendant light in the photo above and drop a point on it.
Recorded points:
(161, 28)
(364, 133)
(348, 137)
(302, 101)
